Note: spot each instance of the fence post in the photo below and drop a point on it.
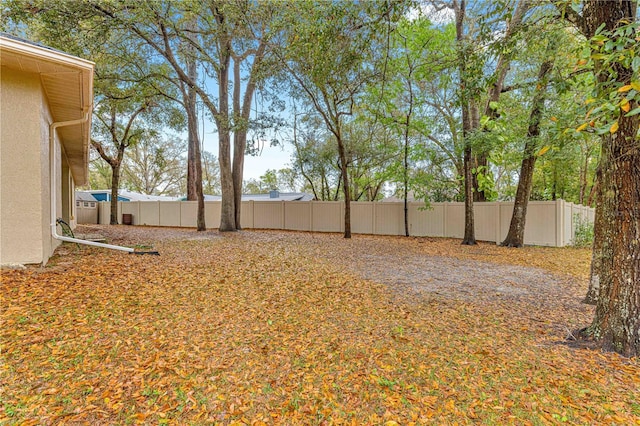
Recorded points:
(283, 222)
(444, 219)
(498, 222)
(559, 223)
(374, 218)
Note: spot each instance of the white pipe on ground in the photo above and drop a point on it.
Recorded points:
(53, 194)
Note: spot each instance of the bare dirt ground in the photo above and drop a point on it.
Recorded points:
(422, 268)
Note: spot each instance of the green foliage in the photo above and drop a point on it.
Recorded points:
(615, 57)
(485, 182)
(582, 232)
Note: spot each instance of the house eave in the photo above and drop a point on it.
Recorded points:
(68, 85)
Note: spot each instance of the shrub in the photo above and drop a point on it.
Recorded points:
(583, 231)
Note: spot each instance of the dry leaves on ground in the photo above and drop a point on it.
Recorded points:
(266, 327)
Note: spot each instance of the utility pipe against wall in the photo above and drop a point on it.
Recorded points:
(54, 195)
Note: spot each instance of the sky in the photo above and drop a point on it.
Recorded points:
(271, 157)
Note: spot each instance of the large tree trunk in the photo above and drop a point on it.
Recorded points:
(241, 113)
(239, 146)
(469, 222)
(227, 213)
(115, 183)
(194, 156)
(345, 188)
(596, 254)
(515, 236)
(228, 210)
(617, 320)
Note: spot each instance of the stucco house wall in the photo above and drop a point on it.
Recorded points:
(38, 87)
(20, 167)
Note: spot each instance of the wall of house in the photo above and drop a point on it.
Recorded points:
(49, 244)
(21, 169)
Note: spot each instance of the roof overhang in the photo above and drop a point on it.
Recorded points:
(68, 85)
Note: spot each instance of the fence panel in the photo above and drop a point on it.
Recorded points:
(169, 213)
(389, 219)
(485, 217)
(540, 228)
(134, 210)
(326, 216)
(549, 223)
(189, 213)
(212, 214)
(268, 214)
(297, 216)
(148, 212)
(426, 222)
(362, 218)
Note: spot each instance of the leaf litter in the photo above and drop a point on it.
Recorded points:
(265, 327)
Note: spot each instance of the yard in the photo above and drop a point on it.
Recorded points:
(262, 327)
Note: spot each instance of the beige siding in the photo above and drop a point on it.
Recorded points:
(22, 172)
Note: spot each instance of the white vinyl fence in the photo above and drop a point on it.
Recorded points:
(549, 223)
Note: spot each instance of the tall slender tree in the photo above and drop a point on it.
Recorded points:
(329, 54)
(515, 235)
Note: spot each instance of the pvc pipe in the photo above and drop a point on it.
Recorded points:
(54, 196)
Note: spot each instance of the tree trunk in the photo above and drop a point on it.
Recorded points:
(227, 213)
(115, 183)
(596, 254)
(406, 180)
(194, 156)
(469, 225)
(228, 210)
(515, 236)
(469, 222)
(237, 172)
(242, 113)
(192, 126)
(345, 188)
(616, 324)
(617, 320)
